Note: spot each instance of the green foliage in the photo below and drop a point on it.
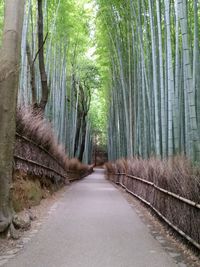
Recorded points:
(139, 62)
(71, 25)
(98, 116)
(149, 60)
(75, 26)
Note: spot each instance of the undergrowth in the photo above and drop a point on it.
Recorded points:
(176, 174)
(36, 128)
(31, 182)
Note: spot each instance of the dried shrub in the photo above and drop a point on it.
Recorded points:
(111, 167)
(76, 166)
(177, 174)
(121, 165)
(33, 126)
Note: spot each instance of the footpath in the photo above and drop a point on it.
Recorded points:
(92, 226)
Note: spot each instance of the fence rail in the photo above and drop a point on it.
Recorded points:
(185, 200)
(39, 146)
(39, 165)
(191, 203)
(60, 170)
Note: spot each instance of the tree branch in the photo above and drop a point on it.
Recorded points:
(36, 55)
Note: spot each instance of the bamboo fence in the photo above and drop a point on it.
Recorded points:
(180, 213)
(34, 159)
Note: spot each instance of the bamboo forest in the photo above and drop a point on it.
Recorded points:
(131, 65)
(94, 88)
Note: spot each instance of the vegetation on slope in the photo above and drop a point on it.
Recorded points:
(41, 165)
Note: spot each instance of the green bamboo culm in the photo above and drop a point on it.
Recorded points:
(154, 63)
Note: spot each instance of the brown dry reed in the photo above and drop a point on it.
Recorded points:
(176, 175)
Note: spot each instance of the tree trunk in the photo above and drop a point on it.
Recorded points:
(9, 78)
(43, 75)
(32, 74)
(170, 79)
(161, 74)
(84, 128)
(77, 135)
(155, 81)
(189, 86)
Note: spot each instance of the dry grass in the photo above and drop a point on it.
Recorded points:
(76, 166)
(177, 174)
(32, 182)
(26, 191)
(111, 167)
(39, 130)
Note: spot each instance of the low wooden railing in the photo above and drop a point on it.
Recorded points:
(38, 161)
(39, 165)
(165, 204)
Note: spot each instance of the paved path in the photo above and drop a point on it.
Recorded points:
(92, 226)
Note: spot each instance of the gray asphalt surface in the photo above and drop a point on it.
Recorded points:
(93, 226)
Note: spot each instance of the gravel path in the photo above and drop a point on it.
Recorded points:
(92, 225)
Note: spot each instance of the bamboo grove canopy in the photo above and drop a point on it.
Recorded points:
(126, 72)
(153, 57)
(73, 79)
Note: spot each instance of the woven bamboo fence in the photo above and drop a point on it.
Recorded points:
(182, 214)
(35, 160)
